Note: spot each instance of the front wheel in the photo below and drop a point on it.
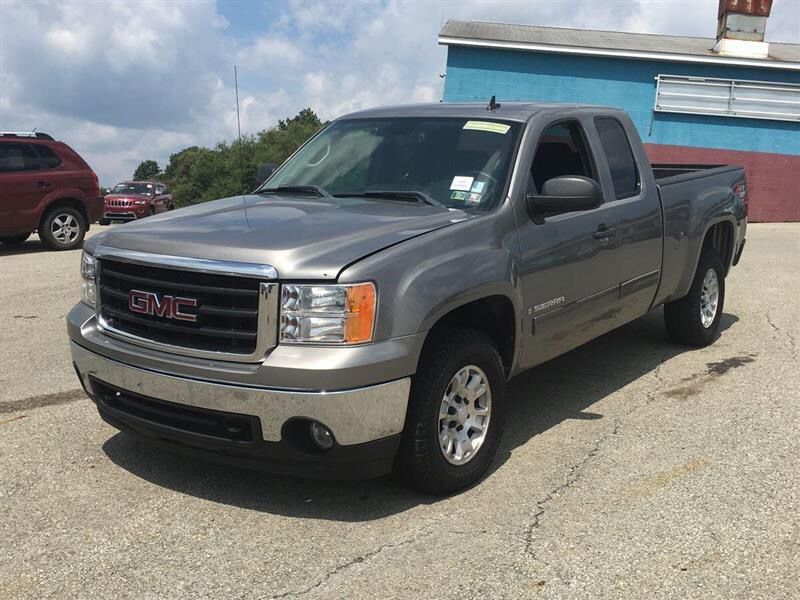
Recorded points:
(694, 319)
(455, 414)
(63, 228)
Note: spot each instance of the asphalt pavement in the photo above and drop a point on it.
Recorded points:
(630, 468)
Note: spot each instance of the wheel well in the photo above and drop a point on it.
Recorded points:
(720, 238)
(65, 202)
(493, 316)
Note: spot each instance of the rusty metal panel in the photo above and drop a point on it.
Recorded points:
(760, 8)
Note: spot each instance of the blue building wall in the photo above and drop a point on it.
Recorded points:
(475, 74)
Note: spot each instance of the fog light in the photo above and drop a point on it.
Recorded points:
(322, 436)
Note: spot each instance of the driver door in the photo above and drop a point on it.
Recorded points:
(567, 268)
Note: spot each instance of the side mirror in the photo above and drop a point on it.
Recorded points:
(567, 193)
(264, 172)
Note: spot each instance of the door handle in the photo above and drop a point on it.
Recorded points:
(604, 232)
(43, 184)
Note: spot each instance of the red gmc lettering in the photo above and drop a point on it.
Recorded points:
(170, 307)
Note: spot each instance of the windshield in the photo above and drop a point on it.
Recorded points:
(457, 162)
(133, 188)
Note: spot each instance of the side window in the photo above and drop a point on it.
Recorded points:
(618, 151)
(160, 190)
(18, 157)
(49, 158)
(562, 150)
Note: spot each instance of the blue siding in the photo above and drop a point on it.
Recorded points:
(477, 74)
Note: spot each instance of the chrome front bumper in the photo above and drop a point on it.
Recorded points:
(354, 416)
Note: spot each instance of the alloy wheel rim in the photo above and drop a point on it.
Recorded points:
(464, 415)
(709, 298)
(65, 228)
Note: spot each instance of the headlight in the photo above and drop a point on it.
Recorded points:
(88, 276)
(140, 202)
(328, 314)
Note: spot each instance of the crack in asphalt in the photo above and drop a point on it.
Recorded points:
(362, 558)
(573, 475)
(574, 471)
(41, 401)
(780, 332)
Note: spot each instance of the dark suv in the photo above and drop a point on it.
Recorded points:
(132, 200)
(45, 186)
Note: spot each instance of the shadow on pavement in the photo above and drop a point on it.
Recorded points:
(31, 246)
(561, 389)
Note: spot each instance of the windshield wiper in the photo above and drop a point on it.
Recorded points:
(297, 189)
(401, 194)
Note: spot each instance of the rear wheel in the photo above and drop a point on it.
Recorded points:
(694, 319)
(63, 228)
(455, 414)
(14, 240)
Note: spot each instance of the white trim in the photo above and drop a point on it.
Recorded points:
(638, 55)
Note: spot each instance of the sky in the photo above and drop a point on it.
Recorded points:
(126, 81)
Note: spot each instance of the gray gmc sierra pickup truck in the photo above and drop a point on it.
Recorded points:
(362, 311)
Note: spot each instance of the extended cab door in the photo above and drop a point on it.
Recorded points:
(638, 255)
(568, 260)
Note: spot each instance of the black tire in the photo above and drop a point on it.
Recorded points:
(66, 242)
(683, 317)
(421, 461)
(103, 222)
(14, 240)
(151, 211)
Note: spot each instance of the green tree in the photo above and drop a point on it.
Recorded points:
(197, 174)
(147, 170)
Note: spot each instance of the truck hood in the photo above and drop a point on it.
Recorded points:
(303, 238)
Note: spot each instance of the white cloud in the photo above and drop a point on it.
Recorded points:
(126, 81)
(270, 52)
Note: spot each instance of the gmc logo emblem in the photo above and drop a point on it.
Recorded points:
(148, 303)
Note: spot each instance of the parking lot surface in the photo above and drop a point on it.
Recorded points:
(630, 468)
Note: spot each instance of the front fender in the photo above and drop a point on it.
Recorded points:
(422, 280)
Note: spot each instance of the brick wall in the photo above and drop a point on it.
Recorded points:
(773, 180)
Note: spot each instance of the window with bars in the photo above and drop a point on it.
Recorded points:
(728, 97)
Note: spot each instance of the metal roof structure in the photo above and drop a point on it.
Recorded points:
(506, 111)
(618, 44)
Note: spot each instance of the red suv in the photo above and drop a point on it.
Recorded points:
(45, 186)
(136, 199)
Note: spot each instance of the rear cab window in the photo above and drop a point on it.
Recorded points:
(49, 158)
(621, 162)
(18, 157)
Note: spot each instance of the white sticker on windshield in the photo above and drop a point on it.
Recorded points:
(149, 186)
(487, 126)
(462, 183)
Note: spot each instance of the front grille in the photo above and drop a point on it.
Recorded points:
(226, 310)
(118, 203)
(226, 426)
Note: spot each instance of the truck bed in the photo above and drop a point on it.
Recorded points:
(692, 197)
(665, 173)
